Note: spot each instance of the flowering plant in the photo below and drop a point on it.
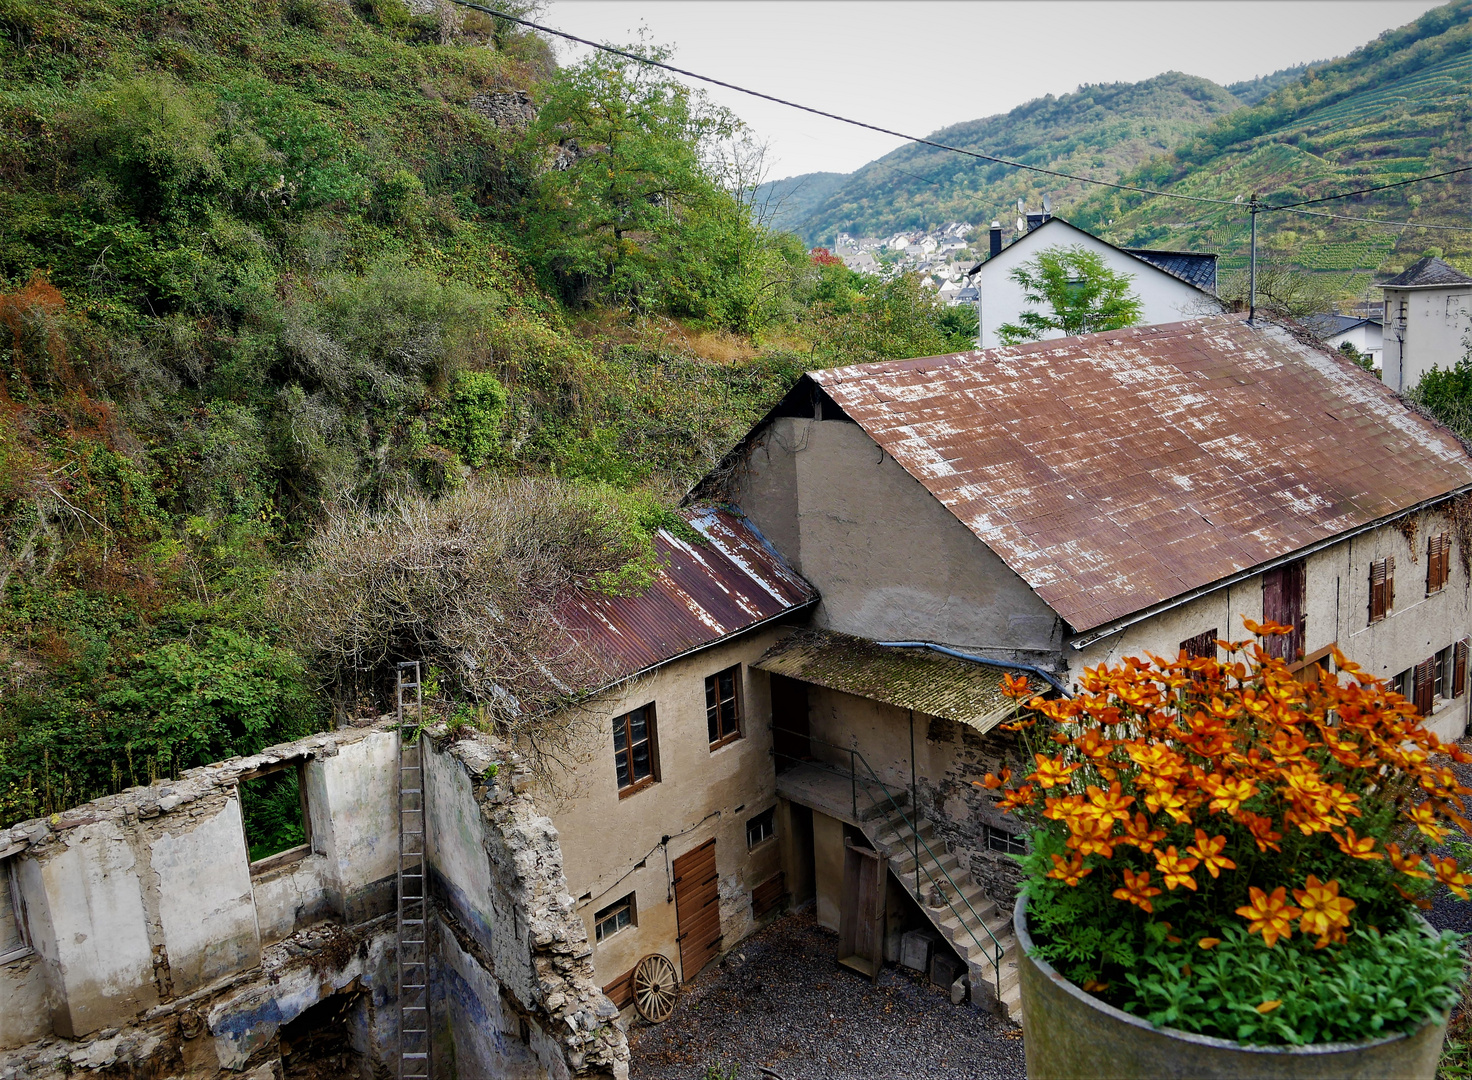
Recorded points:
(1229, 847)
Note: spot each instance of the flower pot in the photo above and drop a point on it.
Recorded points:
(1068, 1033)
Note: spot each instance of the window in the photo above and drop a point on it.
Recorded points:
(13, 942)
(723, 706)
(1382, 587)
(1438, 563)
(762, 827)
(273, 812)
(1404, 683)
(635, 752)
(1001, 840)
(614, 918)
(1203, 645)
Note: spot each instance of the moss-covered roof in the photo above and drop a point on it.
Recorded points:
(921, 679)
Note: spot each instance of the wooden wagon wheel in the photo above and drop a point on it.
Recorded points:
(655, 987)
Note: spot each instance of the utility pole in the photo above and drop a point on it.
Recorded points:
(1252, 268)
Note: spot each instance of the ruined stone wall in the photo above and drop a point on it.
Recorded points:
(515, 992)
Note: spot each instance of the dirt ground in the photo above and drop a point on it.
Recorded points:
(778, 1007)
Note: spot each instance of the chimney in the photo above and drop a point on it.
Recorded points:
(996, 238)
(1034, 219)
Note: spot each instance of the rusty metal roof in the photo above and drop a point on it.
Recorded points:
(1115, 471)
(702, 592)
(920, 679)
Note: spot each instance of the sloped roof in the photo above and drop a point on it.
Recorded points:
(928, 682)
(1427, 271)
(1192, 267)
(1114, 471)
(702, 592)
(1327, 326)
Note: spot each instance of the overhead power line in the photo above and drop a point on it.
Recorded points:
(1366, 191)
(1370, 220)
(842, 119)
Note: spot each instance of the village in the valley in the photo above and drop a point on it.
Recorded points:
(487, 593)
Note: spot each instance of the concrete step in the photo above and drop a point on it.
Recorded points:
(1012, 1003)
(896, 835)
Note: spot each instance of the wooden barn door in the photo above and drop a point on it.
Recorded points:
(697, 908)
(861, 917)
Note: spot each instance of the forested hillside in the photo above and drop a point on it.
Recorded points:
(1396, 108)
(1105, 130)
(273, 262)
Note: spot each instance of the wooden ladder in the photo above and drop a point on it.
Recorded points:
(413, 909)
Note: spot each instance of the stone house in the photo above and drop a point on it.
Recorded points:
(1059, 505)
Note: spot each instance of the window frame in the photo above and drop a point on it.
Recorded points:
(1438, 563)
(766, 819)
(611, 911)
(9, 881)
(999, 839)
(737, 704)
(651, 737)
(1423, 683)
(292, 854)
(1459, 667)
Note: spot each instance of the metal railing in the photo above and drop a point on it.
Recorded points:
(916, 842)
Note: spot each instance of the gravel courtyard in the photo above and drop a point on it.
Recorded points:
(779, 1003)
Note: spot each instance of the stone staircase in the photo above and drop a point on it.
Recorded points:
(959, 914)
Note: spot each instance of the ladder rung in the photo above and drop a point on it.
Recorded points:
(413, 922)
(410, 791)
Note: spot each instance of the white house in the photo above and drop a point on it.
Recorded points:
(1426, 321)
(1366, 335)
(1172, 285)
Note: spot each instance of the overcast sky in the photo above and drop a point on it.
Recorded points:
(916, 67)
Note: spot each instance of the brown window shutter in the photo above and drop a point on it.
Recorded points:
(1389, 583)
(1437, 549)
(1424, 678)
(1377, 590)
(1459, 668)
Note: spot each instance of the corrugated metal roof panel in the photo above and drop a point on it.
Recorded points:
(1073, 459)
(921, 679)
(701, 593)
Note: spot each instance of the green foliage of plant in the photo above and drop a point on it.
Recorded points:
(1077, 292)
(876, 319)
(271, 807)
(1447, 394)
(471, 424)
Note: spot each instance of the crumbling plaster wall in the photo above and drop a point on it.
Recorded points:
(143, 899)
(496, 874)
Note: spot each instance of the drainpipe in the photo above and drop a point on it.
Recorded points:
(1049, 678)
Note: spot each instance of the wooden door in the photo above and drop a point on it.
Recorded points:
(790, 743)
(861, 911)
(1283, 602)
(697, 908)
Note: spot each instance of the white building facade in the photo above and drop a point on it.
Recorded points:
(1428, 312)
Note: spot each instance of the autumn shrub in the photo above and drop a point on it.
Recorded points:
(1225, 847)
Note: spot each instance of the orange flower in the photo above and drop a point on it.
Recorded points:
(1169, 802)
(1108, 806)
(1360, 848)
(1449, 875)
(1015, 686)
(1228, 794)
(1406, 864)
(1261, 829)
(1209, 942)
(1325, 912)
(1271, 916)
(1175, 870)
(1016, 799)
(1053, 771)
(1423, 816)
(1209, 851)
(1070, 872)
(1140, 834)
(1137, 890)
(1089, 836)
(994, 782)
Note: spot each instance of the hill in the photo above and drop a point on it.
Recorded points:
(785, 204)
(1105, 130)
(1395, 108)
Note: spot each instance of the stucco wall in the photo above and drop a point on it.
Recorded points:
(1165, 299)
(1338, 600)
(613, 846)
(889, 560)
(1432, 335)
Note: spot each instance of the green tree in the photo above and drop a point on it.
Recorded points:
(867, 318)
(1447, 395)
(1079, 293)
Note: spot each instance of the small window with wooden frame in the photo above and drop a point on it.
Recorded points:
(1382, 588)
(723, 707)
(15, 942)
(1438, 562)
(274, 814)
(635, 750)
(1423, 686)
(761, 828)
(619, 915)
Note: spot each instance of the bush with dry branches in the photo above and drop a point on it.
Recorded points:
(469, 583)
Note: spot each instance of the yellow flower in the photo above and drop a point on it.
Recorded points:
(1423, 817)
(1359, 847)
(1271, 916)
(1137, 890)
(1175, 870)
(1209, 851)
(1053, 772)
(1070, 872)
